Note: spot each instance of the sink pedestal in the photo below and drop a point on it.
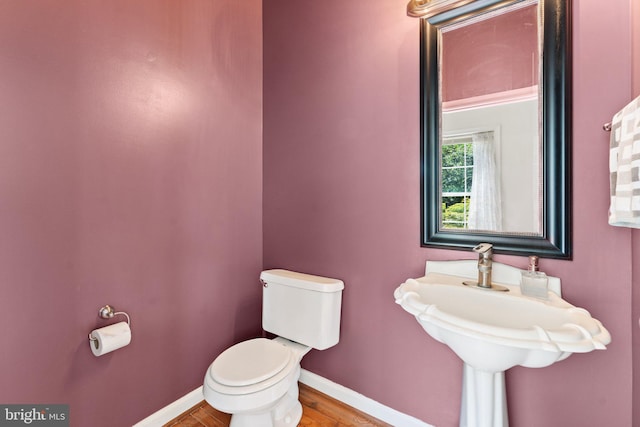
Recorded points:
(484, 399)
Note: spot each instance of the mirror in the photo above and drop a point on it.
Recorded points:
(495, 125)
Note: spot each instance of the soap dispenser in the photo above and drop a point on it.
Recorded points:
(533, 282)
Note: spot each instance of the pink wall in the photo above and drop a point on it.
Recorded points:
(341, 198)
(635, 43)
(130, 174)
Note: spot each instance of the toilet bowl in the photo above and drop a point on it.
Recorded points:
(256, 381)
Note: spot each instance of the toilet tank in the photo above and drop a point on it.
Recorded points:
(302, 307)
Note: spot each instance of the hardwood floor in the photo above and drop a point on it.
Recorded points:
(318, 410)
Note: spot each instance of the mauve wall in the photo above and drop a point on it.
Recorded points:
(635, 43)
(341, 198)
(130, 174)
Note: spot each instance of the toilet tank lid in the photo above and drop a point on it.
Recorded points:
(302, 280)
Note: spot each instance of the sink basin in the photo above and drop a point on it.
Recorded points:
(494, 331)
(514, 329)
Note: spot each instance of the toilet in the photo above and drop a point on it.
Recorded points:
(256, 381)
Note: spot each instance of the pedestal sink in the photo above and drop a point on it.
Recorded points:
(494, 331)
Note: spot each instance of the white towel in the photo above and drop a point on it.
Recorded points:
(624, 167)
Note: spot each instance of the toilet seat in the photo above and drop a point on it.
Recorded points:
(251, 366)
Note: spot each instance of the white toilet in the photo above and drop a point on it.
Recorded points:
(257, 380)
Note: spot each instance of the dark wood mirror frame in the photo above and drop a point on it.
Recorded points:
(555, 104)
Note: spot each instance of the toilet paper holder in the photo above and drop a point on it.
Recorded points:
(107, 312)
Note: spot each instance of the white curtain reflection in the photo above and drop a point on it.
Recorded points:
(486, 203)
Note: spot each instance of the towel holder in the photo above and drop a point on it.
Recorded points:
(607, 127)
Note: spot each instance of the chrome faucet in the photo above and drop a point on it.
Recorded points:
(485, 264)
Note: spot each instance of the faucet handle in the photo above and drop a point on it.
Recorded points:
(483, 248)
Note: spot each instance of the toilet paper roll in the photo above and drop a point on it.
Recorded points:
(110, 338)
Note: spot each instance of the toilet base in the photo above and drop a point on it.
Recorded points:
(286, 412)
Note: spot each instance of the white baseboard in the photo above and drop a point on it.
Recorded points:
(172, 410)
(328, 387)
(360, 402)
